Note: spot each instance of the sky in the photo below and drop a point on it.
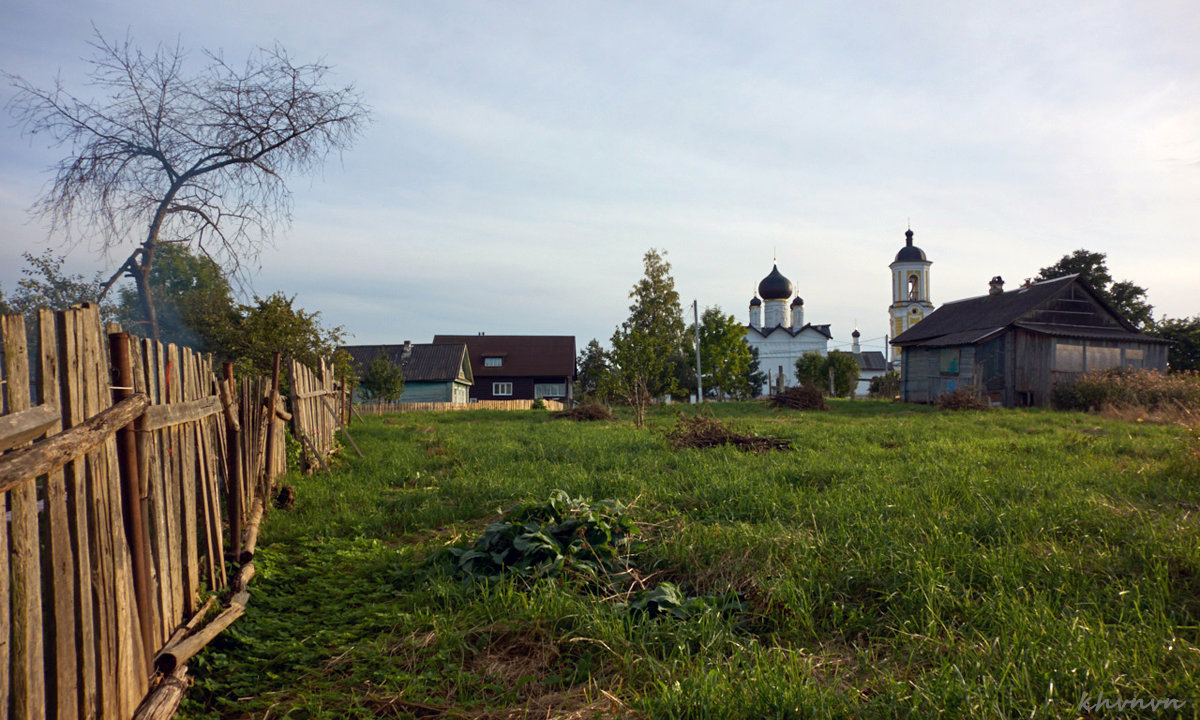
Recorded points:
(523, 156)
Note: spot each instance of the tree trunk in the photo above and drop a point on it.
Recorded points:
(142, 278)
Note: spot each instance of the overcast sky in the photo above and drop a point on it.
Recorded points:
(524, 156)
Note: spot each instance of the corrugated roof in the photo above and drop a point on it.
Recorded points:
(871, 360)
(523, 355)
(973, 320)
(423, 363)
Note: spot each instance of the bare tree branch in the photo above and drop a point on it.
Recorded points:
(166, 154)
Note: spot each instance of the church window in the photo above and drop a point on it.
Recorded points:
(914, 283)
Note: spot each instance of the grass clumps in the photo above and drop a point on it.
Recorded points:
(701, 431)
(1127, 389)
(588, 410)
(801, 397)
(964, 398)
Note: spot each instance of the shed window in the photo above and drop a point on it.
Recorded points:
(493, 362)
(1068, 357)
(948, 361)
(541, 390)
(1103, 358)
(502, 388)
(1134, 357)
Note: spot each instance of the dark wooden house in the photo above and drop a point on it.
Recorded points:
(519, 367)
(1015, 347)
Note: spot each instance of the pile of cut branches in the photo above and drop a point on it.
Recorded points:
(586, 410)
(701, 431)
(801, 397)
(964, 398)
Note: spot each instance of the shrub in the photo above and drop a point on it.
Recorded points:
(885, 386)
(964, 398)
(538, 404)
(1126, 389)
(802, 397)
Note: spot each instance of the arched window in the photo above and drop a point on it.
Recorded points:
(914, 284)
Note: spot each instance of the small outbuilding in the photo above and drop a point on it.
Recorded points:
(432, 373)
(1016, 346)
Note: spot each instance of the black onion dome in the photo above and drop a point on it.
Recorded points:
(910, 252)
(775, 286)
(798, 302)
(755, 302)
(856, 333)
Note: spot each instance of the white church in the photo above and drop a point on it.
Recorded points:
(778, 331)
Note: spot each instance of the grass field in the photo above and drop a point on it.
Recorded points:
(899, 562)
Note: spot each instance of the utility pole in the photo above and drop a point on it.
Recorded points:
(699, 380)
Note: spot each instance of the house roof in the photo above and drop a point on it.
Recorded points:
(419, 363)
(972, 320)
(523, 355)
(871, 360)
(823, 329)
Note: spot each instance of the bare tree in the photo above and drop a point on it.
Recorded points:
(193, 158)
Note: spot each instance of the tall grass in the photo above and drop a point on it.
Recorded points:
(899, 562)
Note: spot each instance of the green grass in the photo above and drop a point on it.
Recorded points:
(899, 562)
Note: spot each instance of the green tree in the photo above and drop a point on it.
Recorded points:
(845, 372)
(382, 380)
(755, 377)
(46, 286)
(1184, 334)
(811, 371)
(192, 300)
(256, 331)
(646, 346)
(1125, 297)
(725, 357)
(591, 366)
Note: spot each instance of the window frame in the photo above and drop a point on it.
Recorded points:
(498, 387)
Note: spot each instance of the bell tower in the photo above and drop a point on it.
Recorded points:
(910, 287)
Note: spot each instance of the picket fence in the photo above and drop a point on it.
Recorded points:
(129, 472)
(384, 408)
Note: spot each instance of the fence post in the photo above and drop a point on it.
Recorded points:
(271, 421)
(233, 474)
(131, 490)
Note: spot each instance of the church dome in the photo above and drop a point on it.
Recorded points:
(755, 302)
(775, 286)
(910, 252)
(856, 333)
(798, 302)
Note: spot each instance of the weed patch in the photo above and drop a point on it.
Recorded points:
(701, 431)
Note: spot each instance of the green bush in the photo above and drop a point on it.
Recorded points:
(1119, 388)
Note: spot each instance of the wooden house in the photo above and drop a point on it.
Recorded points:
(432, 372)
(1015, 347)
(519, 367)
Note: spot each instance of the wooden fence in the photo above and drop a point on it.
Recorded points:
(115, 454)
(383, 408)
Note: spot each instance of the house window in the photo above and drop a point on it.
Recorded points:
(541, 390)
(493, 362)
(948, 361)
(502, 388)
(1068, 357)
(1103, 358)
(1134, 358)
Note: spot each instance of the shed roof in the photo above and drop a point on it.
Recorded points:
(524, 355)
(972, 320)
(871, 360)
(421, 363)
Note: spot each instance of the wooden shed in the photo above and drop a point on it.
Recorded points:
(1015, 347)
